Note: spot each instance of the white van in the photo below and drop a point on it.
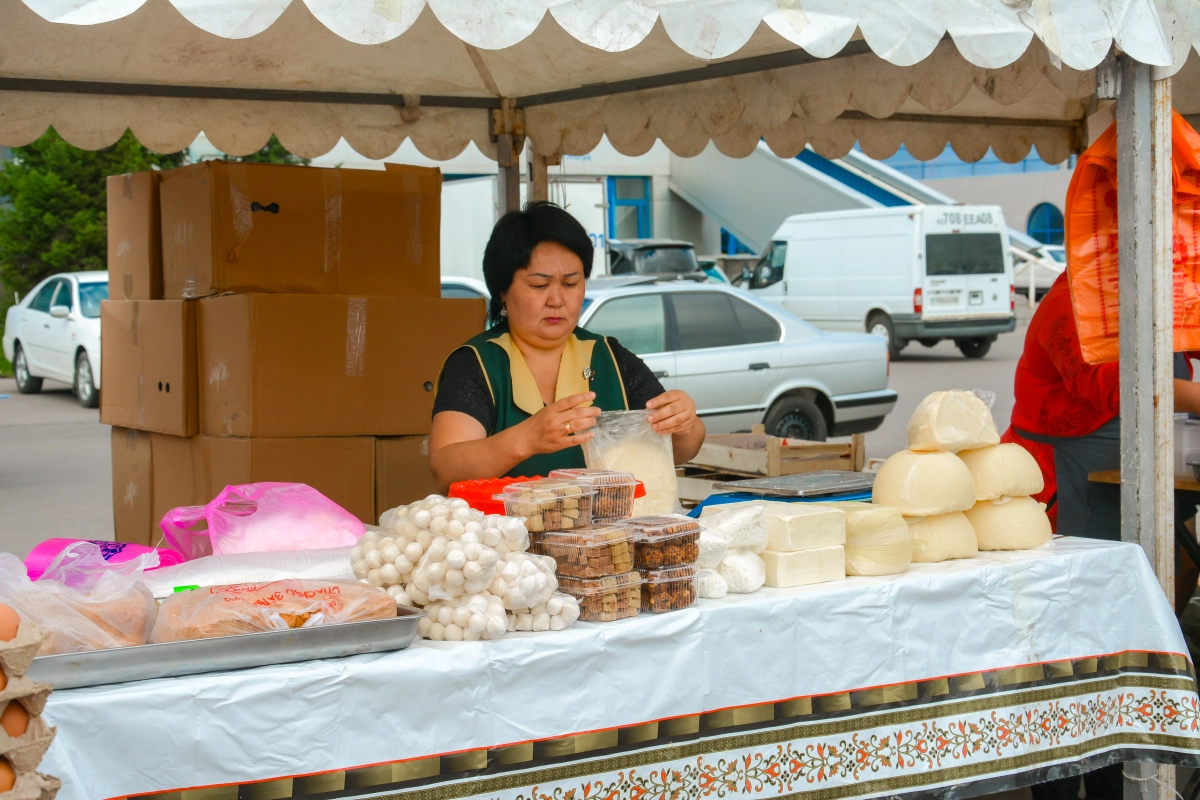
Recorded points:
(923, 273)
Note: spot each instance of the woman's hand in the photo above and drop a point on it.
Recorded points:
(674, 413)
(560, 425)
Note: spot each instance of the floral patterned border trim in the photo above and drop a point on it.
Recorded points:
(873, 753)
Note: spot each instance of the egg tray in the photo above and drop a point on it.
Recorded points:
(26, 751)
(33, 786)
(17, 654)
(29, 693)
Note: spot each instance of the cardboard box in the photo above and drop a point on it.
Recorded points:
(402, 473)
(148, 358)
(342, 468)
(134, 231)
(154, 473)
(229, 227)
(310, 365)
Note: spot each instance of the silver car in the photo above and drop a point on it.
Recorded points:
(745, 361)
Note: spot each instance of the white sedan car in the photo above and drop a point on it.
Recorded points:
(55, 333)
(744, 361)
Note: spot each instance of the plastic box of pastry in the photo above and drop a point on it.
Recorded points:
(591, 553)
(665, 541)
(614, 491)
(549, 505)
(669, 588)
(605, 599)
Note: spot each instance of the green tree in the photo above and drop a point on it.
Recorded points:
(55, 218)
(271, 153)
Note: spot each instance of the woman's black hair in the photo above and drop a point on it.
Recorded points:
(516, 234)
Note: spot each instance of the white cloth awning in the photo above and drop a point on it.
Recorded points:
(1006, 73)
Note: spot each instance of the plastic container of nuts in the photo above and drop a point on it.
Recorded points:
(665, 541)
(668, 589)
(615, 491)
(591, 553)
(605, 599)
(549, 505)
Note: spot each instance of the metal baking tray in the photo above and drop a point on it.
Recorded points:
(805, 484)
(174, 659)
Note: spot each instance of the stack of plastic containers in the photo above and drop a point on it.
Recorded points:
(666, 550)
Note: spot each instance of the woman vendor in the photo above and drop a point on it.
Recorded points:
(518, 399)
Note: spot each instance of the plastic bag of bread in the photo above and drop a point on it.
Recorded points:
(259, 607)
(86, 604)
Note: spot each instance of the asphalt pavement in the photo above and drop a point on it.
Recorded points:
(55, 468)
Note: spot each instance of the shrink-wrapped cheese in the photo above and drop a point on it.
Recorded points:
(804, 567)
(878, 541)
(1009, 523)
(1003, 470)
(949, 422)
(743, 571)
(924, 484)
(942, 538)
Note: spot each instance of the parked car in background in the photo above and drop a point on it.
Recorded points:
(55, 333)
(743, 360)
(905, 273)
(664, 257)
(470, 288)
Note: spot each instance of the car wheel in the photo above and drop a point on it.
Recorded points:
(26, 383)
(881, 325)
(929, 342)
(85, 386)
(796, 418)
(974, 348)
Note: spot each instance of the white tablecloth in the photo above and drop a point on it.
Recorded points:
(1068, 600)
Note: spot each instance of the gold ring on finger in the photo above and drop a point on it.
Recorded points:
(568, 424)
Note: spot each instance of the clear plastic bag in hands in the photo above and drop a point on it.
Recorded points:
(624, 441)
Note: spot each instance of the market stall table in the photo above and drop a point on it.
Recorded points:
(989, 671)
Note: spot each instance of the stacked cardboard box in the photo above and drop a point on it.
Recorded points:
(273, 323)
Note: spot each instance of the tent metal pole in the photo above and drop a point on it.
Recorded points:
(1146, 326)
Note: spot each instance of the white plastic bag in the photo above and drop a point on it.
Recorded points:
(745, 527)
(330, 565)
(625, 442)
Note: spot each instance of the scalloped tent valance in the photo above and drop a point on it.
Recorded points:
(1010, 74)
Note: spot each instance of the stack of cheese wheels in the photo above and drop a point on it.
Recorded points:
(929, 484)
(24, 735)
(1004, 516)
(877, 538)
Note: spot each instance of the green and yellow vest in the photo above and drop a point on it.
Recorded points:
(587, 364)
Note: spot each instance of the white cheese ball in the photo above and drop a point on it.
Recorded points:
(453, 577)
(495, 628)
(557, 623)
(424, 539)
(356, 553)
(455, 559)
(413, 552)
(437, 632)
(437, 526)
(455, 529)
(445, 615)
(361, 568)
(389, 574)
(488, 558)
(477, 623)
(470, 635)
(390, 553)
(435, 572)
(437, 550)
(422, 519)
(403, 565)
(491, 537)
(375, 578)
(423, 625)
(374, 559)
(541, 622)
(524, 622)
(570, 612)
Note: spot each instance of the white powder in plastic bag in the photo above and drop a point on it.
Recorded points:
(710, 584)
(743, 570)
(745, 526)
(625, 442)
(713, 546)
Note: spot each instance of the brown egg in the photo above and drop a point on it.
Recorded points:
(3, 681)
(8, 776)
(8, 623)
(15, 719)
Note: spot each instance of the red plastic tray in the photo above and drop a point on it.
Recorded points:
(478, 494)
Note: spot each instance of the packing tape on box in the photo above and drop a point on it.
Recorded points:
(333, 219)
(356, 335)
(126, 278)
(243, 214)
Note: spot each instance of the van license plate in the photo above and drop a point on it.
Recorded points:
(947, 299)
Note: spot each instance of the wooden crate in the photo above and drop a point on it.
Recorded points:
(757, 455)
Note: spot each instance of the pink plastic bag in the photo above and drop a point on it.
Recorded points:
(40, 557)
(261, 518)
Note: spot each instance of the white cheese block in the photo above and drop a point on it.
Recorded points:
(1003, 470)
(942, 538)
(878, 541)
(1010, 523)
(951, 421)
(802, 567)
(743, 571)
(803, 526)
(924, 484)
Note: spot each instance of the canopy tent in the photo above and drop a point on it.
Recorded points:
(1009, 74)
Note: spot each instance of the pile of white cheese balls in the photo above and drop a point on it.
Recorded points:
(468, 570)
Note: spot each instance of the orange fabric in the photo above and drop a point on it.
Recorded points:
(1091, 235)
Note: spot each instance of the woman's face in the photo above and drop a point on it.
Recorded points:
(546, 298)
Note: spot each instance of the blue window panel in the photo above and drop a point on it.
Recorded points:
(948, 165)
(732, 246)
(629, 208)
(853, 180)
(1045, 224)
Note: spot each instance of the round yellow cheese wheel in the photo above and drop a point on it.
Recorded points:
(1003, 470)
(950, 422)
(942, 538)
(1010, 523)
(924, 484)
